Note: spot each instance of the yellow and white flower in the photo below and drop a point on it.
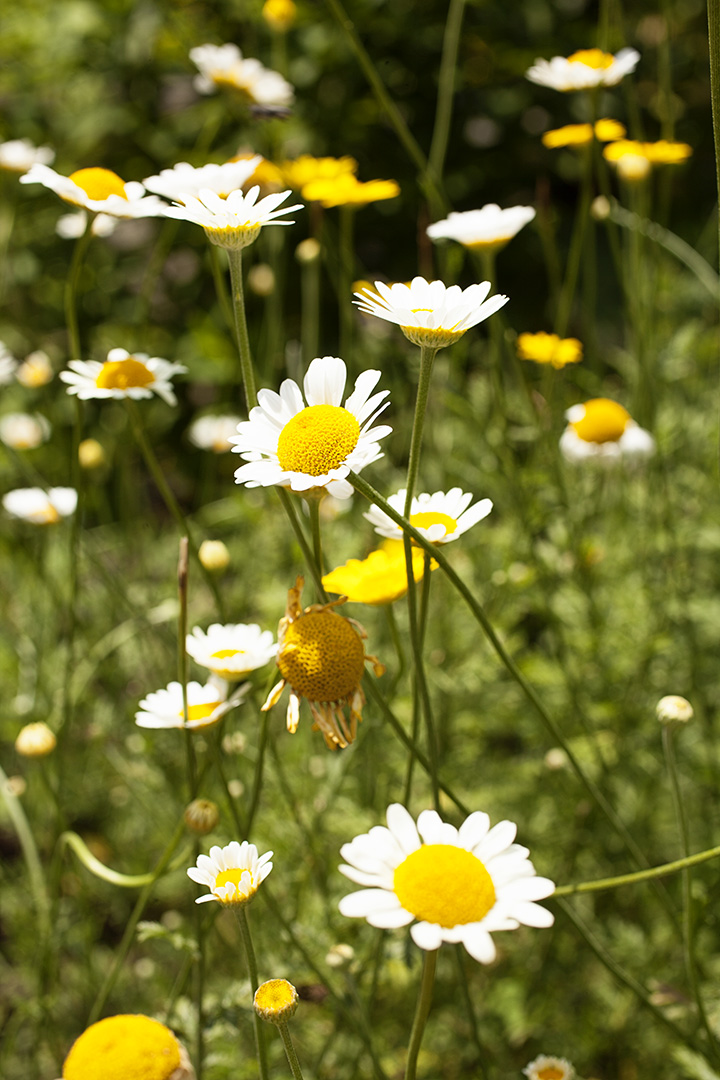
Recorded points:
(123, 374)
(214, 432)
(35, 370)
(234, 222)
(429, 312)
(223, 67)
(549, 1068)
(19, 155)
(129, 1045)
(604, 430)
(40, 507)
(21, 431)
(99, 190)
(583, 70)
(233, 873)
(551, 349)
(184, 179)
(459, 884)
(314, 445)
(440, 517)
(489, 228)
(233, 650)
(206, 705)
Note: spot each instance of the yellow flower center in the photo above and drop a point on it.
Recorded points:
(592, 58)
(550, 1072)
(444, 884)
(123, 1046)
(233, 876)
(201, 712)
(604, 421)
(322, 657)
(223, 654)
(99, 184)
(48, 515)
(317, 440)
(430, 517)
(123, 374)
(275, 994)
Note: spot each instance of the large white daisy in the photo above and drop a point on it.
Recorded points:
(440, 517)
(233, 873)
(315, 442)
(223, 66)
(429, 312)
(584, 69)
(234, 222)
(40, 507)
(123, 374)
(459, 884)
(206, 705)
(604, 430)
(489, 228)
(99, 190)
(233, 650)
(184, 179)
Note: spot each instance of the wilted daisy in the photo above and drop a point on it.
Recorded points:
(21, 431)
(233, 650)
(429, 312)
(545, 348)
(605, 130)
(184, 179)
(213, 432)
(603, 429)
(223, 67)
(8, 365)
(99, 190)
(233, 873)
(584, 69)
(459, 884)
(35, 370)
(440, 517)
(40, 507)
(127, 1046)
(347, 190)
(206, 705)
(123, 374)
(72, 226)
(381, 578)
(234, 222)
(314, 445)
(487, 229)
(19, 155)
(549, 1068)
(322, 656)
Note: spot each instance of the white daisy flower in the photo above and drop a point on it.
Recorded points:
(19, 155)
(233, 650)
(487, 228)
(460, 884)
(72, 226)
(233, 873)
(185, 179)
(206, 705)
(21, 431)
(603, 430)
(122, 375)
(223, 66)
(584, 69)
(549, 1068)
(428, 312)
(440, 517)
(214, 432)
(35, 370)
(314, 445)
(98, 190)
(8, 365)
(234, 222)
(40, 507)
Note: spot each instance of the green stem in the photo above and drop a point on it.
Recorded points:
(347, 264)
(21, 825)
(310, 291)
(258, 777)
(241, 330)
(460, 956)
(290, 1051)
(446, 88)
(289, 508)
(713, 9)
(71, 289)
(639, 875)
(182, 662)
(313, 506)
(427, 359)
(253, 976)
(221, 291)
(576, 248)
(421, 1012)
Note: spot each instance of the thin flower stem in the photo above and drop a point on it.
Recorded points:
(258, 776)
(347, 263)
(71, 290)
(253, 976)
(221, 291)
(199, 985)
(446, 88)
(290, 1051)
(182, 662)
(397, 642)
(21, 825)
(639, 875)
(310, 290)
(713, 10)
(313, 506)
(567, 292)
(241, 330)
(463, 980)
(289, 508)
(421, 1012)
(427, 359)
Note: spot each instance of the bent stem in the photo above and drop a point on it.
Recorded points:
(421, 1013)
(241, 330)
(639, 875)
(253, 976)
(290, 1051)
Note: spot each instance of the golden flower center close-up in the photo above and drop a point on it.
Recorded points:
(322, 657)
(99, 184)
(427, 518)
(444, 884)
(123, 1046)
(123, 375)
(275, 994)
(234, 877)
(592, 58)
(604, 421)
(317, 440)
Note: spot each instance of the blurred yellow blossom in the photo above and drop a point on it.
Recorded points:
(35, 740)
(545, 348)
(280, 15)
(35, 370)
(346, 190)
(605, 130)
(662, 152)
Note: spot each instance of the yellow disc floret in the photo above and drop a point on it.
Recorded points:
(125, 1046)
(604, 421)
(444, 884)
(276, 1001)
(201, 712)
(551, 1072)
(99, 184)
(322, 657)
(592, 58)
(242, 880)
(124, 374)
(317, 440)
(430, 517)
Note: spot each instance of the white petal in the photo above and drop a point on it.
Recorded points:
(403, 828)
(427, 935)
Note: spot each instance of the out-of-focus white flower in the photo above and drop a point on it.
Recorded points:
(673, 709)
(184, 179)
(584, 69)
(605, 430)
(213, 432)
(35, 740)
(234, 222)
(8, 365)
(549, 1068)
(99, 190)
(489, 228)
(72, 226)
(206, 705)
(40, 507)
(233, 873)
(21, 431)
(135, 375)
(19, 155)
(440, 517)
(35, 370)
(223, 66)
(233, 650)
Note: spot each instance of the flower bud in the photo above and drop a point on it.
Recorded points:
(600, 208)
(201, 816)
(308, 251)
(35, 740)
(674, 709)
(276, 1001)
(261, 280)
(91, 454)
(214, 555)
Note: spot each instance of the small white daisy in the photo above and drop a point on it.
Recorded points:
(123, 374)
(487, 228)
(8, 365)
(234, 222)
(19, 155)
(603, 430)
(549, 1068)
(72, 226)
(233, 873)
(184, 179)
(21, 431)
(440, 517)
(233, 650)
(429, 312)
(99, 190)
(584, 69)
(40, 507)
(206, 705)
(213, 432)
(224, 66)
(314, 445)
(460, 884)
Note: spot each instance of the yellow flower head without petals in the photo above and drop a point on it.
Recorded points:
(120, 1047)
(379, 579)
(276, 1001)
(545, 348)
